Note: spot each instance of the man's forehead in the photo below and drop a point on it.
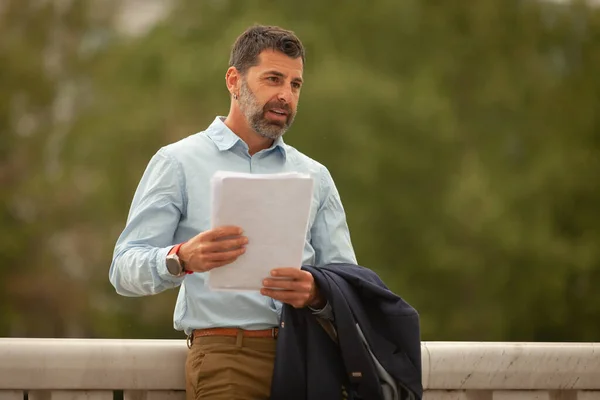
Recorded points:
(277, 61)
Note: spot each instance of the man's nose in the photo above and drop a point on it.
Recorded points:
(285, 95)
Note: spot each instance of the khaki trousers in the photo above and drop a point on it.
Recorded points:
(229, 368)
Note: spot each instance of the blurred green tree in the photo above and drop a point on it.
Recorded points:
(463, 138)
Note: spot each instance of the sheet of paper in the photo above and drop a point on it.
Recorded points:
(273, 210)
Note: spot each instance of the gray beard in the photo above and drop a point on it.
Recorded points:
(254, 114)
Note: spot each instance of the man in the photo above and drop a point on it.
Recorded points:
(167, 241)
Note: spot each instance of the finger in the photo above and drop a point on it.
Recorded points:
(229, 256)
(224, 245)
(296, 299)
(290, 272)
(294, 286)
(220, 232)
(216, 264)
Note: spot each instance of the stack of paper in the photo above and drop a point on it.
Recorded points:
(273, 210)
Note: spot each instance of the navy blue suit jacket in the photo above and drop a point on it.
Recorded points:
(310, 365)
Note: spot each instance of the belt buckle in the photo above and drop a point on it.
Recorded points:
(188, 340)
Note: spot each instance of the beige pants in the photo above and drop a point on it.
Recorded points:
(231, 368)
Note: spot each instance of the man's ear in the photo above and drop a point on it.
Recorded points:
(232, 80)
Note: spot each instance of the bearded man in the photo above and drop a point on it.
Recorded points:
(168, 243)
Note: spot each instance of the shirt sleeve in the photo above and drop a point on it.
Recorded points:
(330, 236)
(138, 265)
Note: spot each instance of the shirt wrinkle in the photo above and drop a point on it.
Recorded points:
(180, 178)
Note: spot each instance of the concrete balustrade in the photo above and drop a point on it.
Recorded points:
(93, 369)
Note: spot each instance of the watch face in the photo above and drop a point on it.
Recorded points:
(173, 265)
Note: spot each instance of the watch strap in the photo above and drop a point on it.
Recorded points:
(175, 249)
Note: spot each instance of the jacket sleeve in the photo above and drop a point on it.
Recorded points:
(138, 265)
(326, 312)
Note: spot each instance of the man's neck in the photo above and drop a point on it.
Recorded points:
(254, 141)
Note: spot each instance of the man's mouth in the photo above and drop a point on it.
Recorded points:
(278, 113)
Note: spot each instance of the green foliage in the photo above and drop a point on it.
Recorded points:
(464, 140)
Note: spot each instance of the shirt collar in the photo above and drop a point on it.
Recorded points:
(224, 138)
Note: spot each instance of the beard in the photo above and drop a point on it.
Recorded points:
(256, 114)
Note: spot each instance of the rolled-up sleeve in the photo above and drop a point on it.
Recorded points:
(330, 236)
(138, 265)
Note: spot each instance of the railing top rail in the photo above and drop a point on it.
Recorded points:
(159, 364)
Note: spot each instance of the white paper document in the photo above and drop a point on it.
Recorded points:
(273, 210)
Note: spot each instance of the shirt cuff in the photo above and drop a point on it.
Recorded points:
(326, 312)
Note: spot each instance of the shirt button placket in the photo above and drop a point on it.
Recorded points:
(254, 164)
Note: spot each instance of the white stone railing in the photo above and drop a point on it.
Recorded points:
(92, 369)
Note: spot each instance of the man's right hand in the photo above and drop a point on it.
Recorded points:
(213, 248)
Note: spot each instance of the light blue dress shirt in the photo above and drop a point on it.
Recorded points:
(171, 205)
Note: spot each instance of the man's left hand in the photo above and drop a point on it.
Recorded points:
(298, 289)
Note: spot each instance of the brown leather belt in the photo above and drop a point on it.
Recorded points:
(263, 333)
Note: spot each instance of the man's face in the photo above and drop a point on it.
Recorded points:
(269, 93)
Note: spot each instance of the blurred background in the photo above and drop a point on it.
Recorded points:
(464, 138)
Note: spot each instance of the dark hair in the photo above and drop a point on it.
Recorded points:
(258, 38)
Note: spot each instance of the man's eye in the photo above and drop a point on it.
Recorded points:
(272, 78)
(296, 85)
